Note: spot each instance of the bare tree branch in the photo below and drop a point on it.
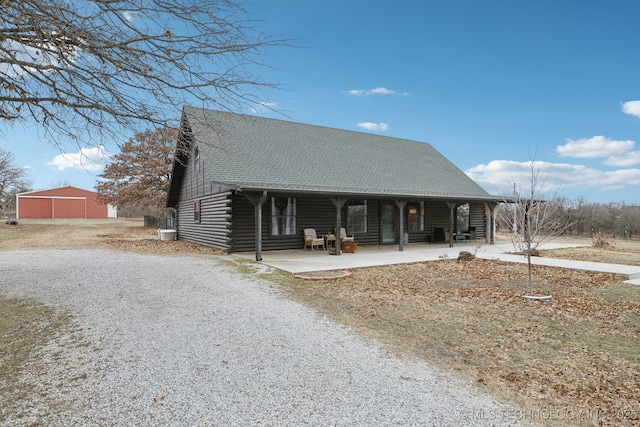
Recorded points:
(533, 218)
(92, 69)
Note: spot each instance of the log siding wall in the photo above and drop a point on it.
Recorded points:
(214, 227)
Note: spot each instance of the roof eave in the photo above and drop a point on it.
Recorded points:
(364, 194)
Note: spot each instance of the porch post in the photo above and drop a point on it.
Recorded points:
(258, 199)
(494, 226)
(401, 204)
(338, 203)
(452, 212)
(490, 214)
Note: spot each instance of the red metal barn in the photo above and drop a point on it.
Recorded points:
(65, 202)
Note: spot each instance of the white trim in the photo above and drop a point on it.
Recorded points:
(53, 197)
(42, 190)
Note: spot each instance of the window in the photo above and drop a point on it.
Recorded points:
(416, 216)
(462, 218)
(357, 216)
(196, 212)
(283, 216)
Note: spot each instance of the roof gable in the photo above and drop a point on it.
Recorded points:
(249, 152)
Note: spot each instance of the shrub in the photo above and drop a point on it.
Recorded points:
(601, 241)
(534, 252)
(465, 256)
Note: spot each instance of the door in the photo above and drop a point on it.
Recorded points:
(388, 216)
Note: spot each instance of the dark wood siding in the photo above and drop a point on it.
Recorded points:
(214, 226)
(320, 213)
(215, 221)
(372, 236)
(417, 236)
(242, 224)
(477, 219)
(437, 215)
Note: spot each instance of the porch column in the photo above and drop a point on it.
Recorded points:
(452, 214)
(338, 203)
(401, 204)
(490, 210)
(258, 199)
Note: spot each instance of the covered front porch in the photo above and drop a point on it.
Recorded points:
(279, 220)
(304, 260)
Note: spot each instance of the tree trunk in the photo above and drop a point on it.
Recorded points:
(530, 271)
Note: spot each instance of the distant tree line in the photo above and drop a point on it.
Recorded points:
(585, 218)
(616, 219)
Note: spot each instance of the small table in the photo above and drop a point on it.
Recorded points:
(328, 238)
(462, 236)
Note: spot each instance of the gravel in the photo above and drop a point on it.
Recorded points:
(189, 341)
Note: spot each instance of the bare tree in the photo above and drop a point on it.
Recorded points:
(60, 184)
(138, 177)
(89, 69)
(13, 180)
(533, 218)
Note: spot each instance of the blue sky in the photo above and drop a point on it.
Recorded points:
(489, 84)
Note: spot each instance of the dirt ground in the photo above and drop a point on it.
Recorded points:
(574, 360)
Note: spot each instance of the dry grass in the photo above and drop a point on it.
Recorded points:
(41, 234)
(580, 352)
(622, 252)
(24, 328)
(119, 234)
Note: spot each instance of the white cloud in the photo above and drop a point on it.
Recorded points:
(376, 91)
(262, 106)
(498, 176)
(597, 146)
(129, 15)
(632, 108)
(26, 57)
(616, 153)
(91, 159)
(377, 127)
(625, 160)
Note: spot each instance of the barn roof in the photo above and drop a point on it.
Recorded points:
(256, 153)
(65, 191)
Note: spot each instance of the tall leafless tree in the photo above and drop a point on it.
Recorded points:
(13, 180)
(88, 69)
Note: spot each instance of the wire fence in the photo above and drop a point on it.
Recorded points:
(163, 222)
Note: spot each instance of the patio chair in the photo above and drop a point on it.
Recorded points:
(311, 239)
(344, 237)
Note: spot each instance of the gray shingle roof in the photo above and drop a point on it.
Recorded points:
(249, 152)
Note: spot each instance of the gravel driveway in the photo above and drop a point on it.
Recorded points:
(187, 341)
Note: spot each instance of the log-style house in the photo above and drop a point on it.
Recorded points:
(244, 183)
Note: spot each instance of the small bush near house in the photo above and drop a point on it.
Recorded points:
(465, 256)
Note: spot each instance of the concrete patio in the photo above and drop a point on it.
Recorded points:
(303, 261)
